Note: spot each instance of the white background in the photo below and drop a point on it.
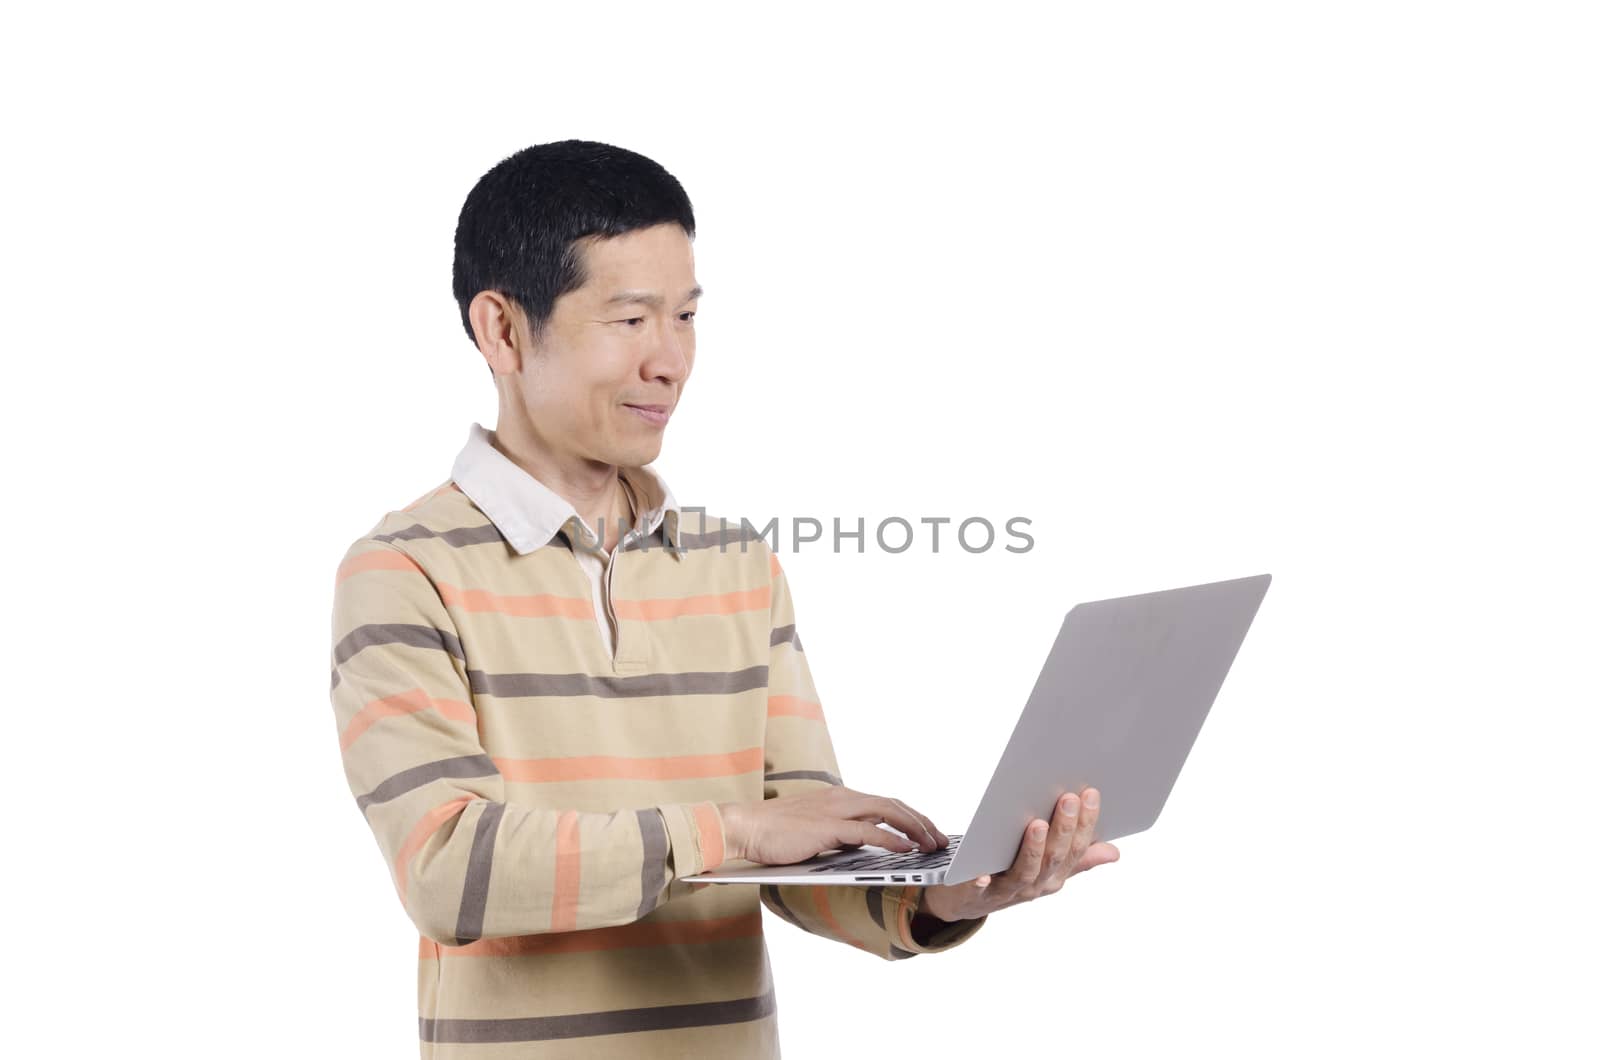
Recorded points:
(1201, 290)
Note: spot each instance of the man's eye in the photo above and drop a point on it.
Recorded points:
(634, 320)
(686, 316)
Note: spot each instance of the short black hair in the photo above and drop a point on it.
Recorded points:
(518, 230)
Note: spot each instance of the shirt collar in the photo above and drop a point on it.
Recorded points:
(529, 514)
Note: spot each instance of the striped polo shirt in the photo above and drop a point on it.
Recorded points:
(529, 513)
(538, 797)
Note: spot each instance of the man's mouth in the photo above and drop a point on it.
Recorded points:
(652, 414)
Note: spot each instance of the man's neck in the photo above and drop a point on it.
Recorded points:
(594, 490)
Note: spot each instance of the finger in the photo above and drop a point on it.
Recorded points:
(917, 827)
(935, 838)
(902, 817)
(1058, 858)
(1024, 871)
(865, 832)
(1087, 819)
(940, 839)
(1098, 854)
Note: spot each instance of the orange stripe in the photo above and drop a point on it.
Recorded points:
(706, 604)
(779, 706)
(378, 559)
(429, 824)
(705, 818)
(543, 605)
(773, 566)
(616, 767)
(408, 702)
(430, 495)
(640, 933)
(569, 857)
(826, 912)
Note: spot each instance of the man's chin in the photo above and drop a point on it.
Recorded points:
(636, 455)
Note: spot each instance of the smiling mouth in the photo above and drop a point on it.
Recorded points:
(653, 414)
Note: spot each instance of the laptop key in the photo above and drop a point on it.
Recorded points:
(908, 859)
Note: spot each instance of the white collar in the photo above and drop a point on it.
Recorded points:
(529, 513)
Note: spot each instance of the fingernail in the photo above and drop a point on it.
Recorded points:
(1038, 830)
(1092, 799)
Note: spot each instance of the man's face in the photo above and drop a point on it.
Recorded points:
(625, 338)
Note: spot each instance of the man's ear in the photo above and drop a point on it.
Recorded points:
(501, 329)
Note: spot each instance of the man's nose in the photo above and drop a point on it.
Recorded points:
(671, 355)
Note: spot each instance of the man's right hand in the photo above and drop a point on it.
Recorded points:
(787, 830)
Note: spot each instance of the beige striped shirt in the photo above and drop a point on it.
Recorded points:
(529, 512)
(538, 793)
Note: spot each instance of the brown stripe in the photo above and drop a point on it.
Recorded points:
(585, 1024)
(875, 905)
(371, 635)
(805, 774)
(417, 776)
(460, 537)
(693, 682)
(654, 541)
(786, 633)
(475, 892)
(723, 539)
(640, 934)
(896, 953)
(653, 876)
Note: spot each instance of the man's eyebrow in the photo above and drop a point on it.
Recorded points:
(648, 298)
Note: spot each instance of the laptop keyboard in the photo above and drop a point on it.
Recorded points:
(915, 859)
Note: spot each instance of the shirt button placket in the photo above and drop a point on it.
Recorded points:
(616, 623)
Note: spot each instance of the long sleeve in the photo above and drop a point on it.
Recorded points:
(468, 864)
(799, 755)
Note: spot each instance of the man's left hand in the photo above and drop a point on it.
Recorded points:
(1048, 855)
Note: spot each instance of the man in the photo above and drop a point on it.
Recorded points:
(558, 692)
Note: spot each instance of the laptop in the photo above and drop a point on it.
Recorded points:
(1118, 705)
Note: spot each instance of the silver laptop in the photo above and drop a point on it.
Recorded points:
(1117, 707)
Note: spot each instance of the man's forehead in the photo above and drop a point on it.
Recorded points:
(646, 297)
